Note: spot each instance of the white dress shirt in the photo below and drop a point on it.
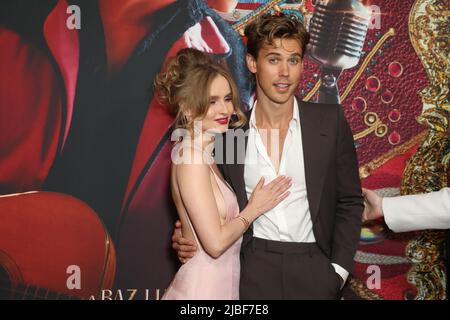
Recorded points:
(418, 212)
(290, 221)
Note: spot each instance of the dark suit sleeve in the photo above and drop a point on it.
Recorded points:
(350, 203)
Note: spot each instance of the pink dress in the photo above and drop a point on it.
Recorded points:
(204, 277)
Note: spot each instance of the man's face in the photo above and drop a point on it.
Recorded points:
(277, 69)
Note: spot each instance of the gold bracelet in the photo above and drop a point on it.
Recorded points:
(245, 221)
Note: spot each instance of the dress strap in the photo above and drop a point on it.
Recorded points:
(221, 180)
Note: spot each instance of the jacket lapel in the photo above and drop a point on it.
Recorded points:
(235, 170)
(314, 139)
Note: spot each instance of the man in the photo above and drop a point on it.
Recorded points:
(304, 248)
(411, 212)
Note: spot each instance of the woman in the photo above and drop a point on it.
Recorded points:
(204, 97)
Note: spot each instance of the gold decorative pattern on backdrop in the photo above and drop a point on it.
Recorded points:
(428, 31)
(377, 127)
(429, 168)
(360, 288)
(362, 68)
(367, 169)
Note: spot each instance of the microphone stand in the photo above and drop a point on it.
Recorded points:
(328, 91)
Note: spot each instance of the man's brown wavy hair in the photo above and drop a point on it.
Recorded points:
(269, 27)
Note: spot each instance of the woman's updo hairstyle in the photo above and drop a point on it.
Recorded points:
(184, 85)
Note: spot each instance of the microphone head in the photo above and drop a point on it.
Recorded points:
(338, 29)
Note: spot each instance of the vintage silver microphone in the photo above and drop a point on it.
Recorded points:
(338, 29)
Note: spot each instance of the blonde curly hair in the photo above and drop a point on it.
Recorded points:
(184, 85)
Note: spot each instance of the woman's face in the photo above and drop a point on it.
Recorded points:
(220, 106)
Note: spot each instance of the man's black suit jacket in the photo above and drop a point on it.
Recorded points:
(331, 173)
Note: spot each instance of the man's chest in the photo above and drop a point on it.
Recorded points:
(270, 157)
